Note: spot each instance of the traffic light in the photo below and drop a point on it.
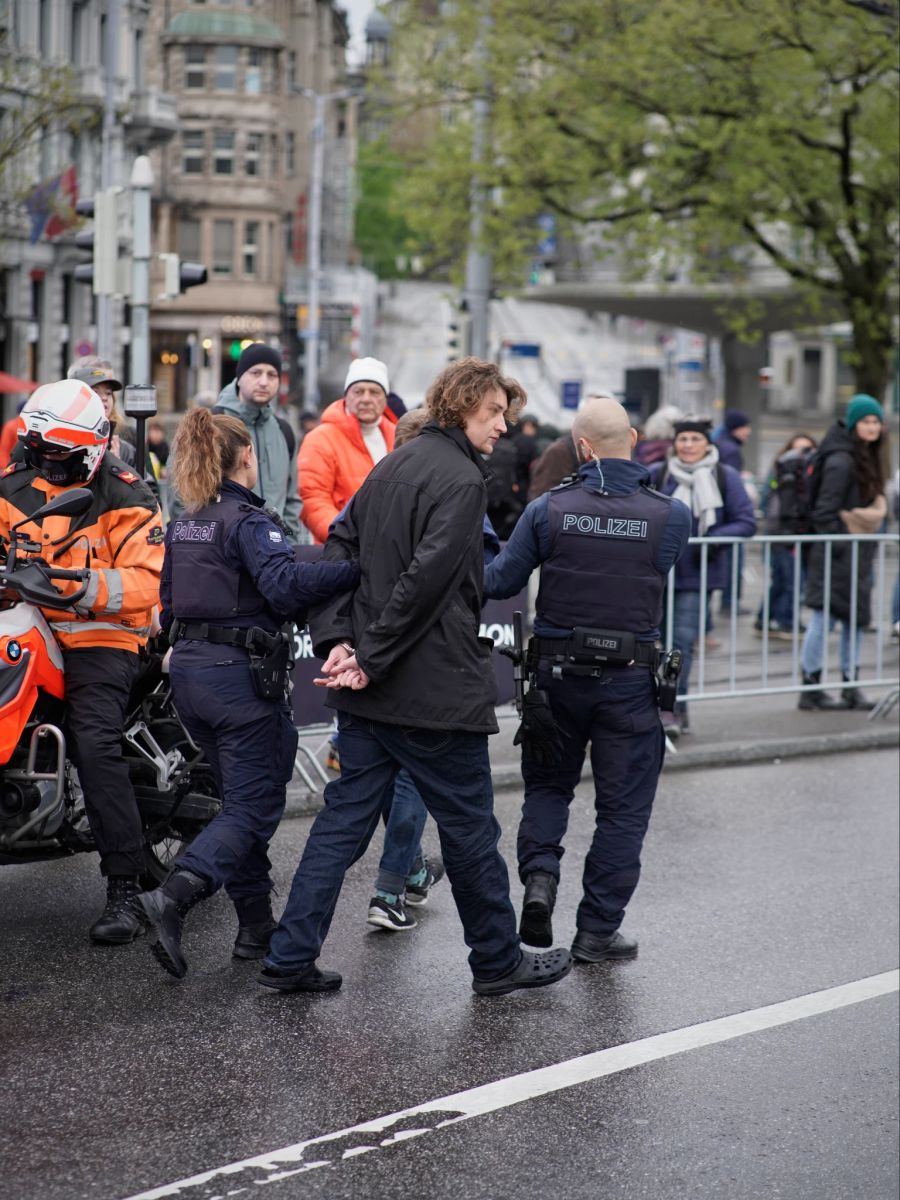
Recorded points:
(459, 331)
(102, 241)
(179, 276)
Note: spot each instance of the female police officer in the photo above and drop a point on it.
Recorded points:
(229, 583)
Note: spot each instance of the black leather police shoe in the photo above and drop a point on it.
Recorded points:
(310, 979)
(591, 948)
(164, 911)
(252, 941)
(120, 921)
(535, 927)
(531, 971)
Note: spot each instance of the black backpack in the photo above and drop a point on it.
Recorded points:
(795, 482)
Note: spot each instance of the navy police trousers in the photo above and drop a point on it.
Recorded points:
(618, 715)
(250, 744)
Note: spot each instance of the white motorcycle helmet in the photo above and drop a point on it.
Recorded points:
(66, 418)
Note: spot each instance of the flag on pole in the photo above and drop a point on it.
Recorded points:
(51, 206)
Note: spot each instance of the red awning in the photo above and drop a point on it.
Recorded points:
(9, 383)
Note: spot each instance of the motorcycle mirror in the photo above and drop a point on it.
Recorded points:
(70, 503)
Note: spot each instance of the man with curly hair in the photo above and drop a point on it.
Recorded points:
(413, 686)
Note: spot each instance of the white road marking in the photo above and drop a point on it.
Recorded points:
(475, 1102)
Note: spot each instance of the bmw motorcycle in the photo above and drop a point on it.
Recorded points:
(42, 814)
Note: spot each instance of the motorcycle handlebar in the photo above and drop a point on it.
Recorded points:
(59, 573)
(32, 581)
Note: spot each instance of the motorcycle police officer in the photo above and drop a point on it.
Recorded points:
(605, 542)
(63, 434)
(229, 583)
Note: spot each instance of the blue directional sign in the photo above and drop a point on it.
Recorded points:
(523, 349)
(546, 246)
(571, 393)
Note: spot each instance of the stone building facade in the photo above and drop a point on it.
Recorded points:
(211, 90)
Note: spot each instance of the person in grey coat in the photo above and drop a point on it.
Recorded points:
(249, 398)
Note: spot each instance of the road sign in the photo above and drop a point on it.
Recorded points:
(83, 349)
(570, 393)
(523, 349)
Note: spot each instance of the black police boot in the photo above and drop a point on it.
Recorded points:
(854, 698)
(535, 928)
(255, 926)
(811, 701)
(594, 947)
(164, 913)
(120, 920)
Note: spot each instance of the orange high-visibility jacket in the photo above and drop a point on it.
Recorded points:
(123, 529)
(332, 464)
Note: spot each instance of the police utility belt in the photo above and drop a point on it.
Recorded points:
(270, 653)
(587, 652)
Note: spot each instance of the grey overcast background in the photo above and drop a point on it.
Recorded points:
(358, 11)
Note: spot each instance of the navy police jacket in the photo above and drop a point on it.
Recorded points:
(605, 543)
(230, 564)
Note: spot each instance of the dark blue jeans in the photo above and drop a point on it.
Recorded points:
(452, 772)
(685, 632)
(250, 744)
(617, 714)
(402, 854)
(781, 585)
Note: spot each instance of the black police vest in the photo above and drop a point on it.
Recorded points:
(600, 571)
(205, 586)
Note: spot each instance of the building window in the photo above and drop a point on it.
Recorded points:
(137, 68)
(188, 239)
(193, 152)
(223, 155)
(273, 155)
(45, 29)
(223, 247)
(77, 34)
(254, 80)
(253, 155)
(290, 143)
(226, 68)
(195, 68)
(250, 250)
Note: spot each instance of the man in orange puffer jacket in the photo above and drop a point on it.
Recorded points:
(355, 433)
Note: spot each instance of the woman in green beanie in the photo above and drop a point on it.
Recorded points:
(848, 483)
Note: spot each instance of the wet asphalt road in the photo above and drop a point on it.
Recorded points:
(760, 884)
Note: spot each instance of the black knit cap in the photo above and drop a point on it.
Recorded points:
(692, 424)
(255, 353)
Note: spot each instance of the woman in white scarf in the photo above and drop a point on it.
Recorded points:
(693, 466)
(719, 506)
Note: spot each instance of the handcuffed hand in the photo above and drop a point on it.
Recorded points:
(538, 735)
(341, 670)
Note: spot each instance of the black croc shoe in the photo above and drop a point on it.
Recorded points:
(593, 948)
(310, 979)
(533, 970)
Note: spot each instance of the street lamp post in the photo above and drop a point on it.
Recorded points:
(141, 184)
(314, 238)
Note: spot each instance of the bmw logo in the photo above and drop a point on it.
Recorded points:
(13, 651)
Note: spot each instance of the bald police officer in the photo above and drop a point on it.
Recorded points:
(605, 542)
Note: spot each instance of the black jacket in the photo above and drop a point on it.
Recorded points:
(837, 487)
(416, 527)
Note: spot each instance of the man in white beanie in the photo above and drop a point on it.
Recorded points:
(355, 433)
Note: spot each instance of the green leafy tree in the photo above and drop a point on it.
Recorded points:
(710, 133)
(381, 232)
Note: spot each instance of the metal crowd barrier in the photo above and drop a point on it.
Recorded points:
(762, 681)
